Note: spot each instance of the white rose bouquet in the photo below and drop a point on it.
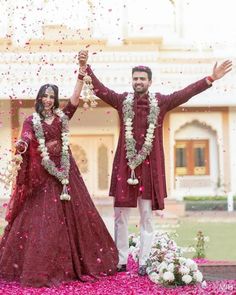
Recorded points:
(165, 264)
(176, 272)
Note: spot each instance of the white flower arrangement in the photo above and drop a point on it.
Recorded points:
(62, 173)
(165, 264)
(134, 246)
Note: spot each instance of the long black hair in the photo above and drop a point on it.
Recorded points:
(38, 103)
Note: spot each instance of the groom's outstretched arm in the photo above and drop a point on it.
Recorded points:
(109, 96)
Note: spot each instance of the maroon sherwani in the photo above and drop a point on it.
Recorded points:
(151, 173)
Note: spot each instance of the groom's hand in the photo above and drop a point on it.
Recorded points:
(220, 70)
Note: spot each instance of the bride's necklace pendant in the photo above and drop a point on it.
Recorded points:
(132, 180)
(48, 115)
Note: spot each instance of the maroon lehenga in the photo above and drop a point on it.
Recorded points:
(47, 240)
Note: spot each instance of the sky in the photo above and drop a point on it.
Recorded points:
(200, 21)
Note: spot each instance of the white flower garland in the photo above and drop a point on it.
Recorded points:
(136, 158)
(62, 173)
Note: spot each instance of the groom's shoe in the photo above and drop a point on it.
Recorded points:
(121, 268)
(142, 270)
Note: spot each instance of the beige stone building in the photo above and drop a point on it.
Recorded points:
(199, 137)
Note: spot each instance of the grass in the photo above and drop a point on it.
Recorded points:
(222, 237)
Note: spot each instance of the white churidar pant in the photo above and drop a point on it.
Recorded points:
(146, 231)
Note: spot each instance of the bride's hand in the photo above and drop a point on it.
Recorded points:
(83, 58)
(21, 146)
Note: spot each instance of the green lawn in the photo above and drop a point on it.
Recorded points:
(221, 245)
(222, 237)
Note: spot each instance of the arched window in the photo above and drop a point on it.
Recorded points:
(80, 157)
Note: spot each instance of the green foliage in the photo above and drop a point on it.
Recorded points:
(207, 203)
(206, 198)
(207, 206)
(200, 247)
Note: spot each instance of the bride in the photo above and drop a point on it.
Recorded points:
(54, 231)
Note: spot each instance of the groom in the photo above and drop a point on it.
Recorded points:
(138, 175)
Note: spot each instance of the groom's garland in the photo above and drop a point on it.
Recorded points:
(136, 158)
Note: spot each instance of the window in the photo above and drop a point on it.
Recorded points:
(181, 158)
(192, 157)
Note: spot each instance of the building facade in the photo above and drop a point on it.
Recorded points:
(198, 136)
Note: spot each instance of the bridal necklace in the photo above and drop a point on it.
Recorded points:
(48, 114)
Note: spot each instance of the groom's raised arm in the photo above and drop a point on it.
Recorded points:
(109, 96)
(179, 97)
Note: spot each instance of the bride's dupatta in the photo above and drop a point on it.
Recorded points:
(20, 187)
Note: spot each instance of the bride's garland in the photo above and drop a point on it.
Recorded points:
(136, 158)
(62, 173)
